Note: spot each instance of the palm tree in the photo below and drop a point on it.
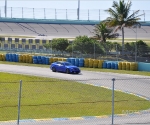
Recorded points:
(102, 32)
(120, 18)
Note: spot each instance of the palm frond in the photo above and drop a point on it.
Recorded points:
(112, 13)
(133, 14)
(102, 32)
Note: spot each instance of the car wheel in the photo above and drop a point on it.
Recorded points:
(54, 69)
(67, 71)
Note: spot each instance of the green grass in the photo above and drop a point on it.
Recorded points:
(52, 98)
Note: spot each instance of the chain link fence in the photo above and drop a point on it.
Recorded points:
(67, 14)
(113, 52)
(108, 100)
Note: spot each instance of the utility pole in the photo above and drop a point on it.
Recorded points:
(78, 14)
(136, 45)
(5, 8)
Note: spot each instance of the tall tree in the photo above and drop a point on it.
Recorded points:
(120, 18)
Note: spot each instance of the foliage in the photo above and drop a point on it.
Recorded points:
(60, 44)
(85, 45)
(142, 48)
(120, 18)
(103, 32)
(116, 46)
(70, 48)
(47, 46)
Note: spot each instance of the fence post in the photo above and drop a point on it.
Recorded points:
(94, 50)
(44, 14)
(99, 15)
(22, 12)
(11, 12)
(113, 100)
(144, 15)
(66, 15)
(19, 101)
(33, 13)
(117, 52)
(55, 14)
(88, 15)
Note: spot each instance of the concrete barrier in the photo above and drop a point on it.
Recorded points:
(143, 66)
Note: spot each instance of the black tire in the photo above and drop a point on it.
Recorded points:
(67, 71)
(54, 69)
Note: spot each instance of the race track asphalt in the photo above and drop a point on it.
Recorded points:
(138, 85)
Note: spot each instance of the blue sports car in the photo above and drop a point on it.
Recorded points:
(66, 67)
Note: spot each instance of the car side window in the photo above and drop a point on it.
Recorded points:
(61, 64)
(58, 63)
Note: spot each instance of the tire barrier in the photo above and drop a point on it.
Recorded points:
(60, 59)
(113, 65)
(51, 60)
(100, 64)
(43, 58)
(24, 58)
(64, 59)
(127, 66)
(55, 59)
(90, 63)
(47, 61)
(2, 57)
(11, 57)
(123, 65)
(120, 65)
(35, 60)
(86, 62)
(133, 66)
(95, 63)
(80, 62)
(30, 59)
(104, 64)
(20, 58)
(76, 61)
(39, 60)
(69, 60)
(108, 65)
(72, 61)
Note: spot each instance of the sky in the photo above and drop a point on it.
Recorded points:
(73, 4)
(70, 5)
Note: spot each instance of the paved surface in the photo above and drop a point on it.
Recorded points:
(130, 83)
(63, 30)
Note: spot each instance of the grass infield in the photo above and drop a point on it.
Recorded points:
(53, 98)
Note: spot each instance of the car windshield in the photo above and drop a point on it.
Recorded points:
(68, 64)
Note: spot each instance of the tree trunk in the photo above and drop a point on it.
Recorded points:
(122, 29)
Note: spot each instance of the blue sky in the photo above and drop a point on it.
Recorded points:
(93, 5)
(73, 4)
